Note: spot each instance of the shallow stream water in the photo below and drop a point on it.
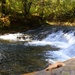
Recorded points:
(33, 50)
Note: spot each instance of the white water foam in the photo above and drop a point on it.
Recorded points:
(70, 37)
(58, 39)
(15, 37)
(44, 43)
(61, 40)
(58, 55)
(70, 51)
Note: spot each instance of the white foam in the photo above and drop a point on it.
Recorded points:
(44, 43)
(58, 55)
(58, 39)
(61, 40)
(14, 37)
(70, 37)
(38, 43)
(10, 36)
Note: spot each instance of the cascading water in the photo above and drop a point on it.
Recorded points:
(43, 44)
(60, 40)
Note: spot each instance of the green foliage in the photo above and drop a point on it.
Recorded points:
(55, 9)
(52, 10)
(15, 6)
(42, 7)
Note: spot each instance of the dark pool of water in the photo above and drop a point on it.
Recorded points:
(17, 58)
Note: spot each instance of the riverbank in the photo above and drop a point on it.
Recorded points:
(19, 23)
(61, 23)
(23, 28)
(68, 69)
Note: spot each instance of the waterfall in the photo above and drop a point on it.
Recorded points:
(65, 41)
(57, 39)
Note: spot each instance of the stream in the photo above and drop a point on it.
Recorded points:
(34, 49)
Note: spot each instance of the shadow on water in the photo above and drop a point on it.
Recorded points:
(17, 58)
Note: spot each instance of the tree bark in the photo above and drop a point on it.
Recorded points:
(42, 6)
(3, 7)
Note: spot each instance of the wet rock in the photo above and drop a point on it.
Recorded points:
(68, 69)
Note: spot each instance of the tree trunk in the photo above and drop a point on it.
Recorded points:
(42, 8)
(3, 7)
(0, 8)
(58, 1)
(27, 6)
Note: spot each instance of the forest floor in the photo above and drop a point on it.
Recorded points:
(68, 69)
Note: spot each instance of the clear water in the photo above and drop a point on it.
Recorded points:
(34, 49)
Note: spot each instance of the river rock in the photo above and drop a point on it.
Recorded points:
(68, 69)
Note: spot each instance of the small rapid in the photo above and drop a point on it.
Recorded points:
(64, 41)
(58, 39)
(28, 50)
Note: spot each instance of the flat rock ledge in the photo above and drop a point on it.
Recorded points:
(68, 69)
